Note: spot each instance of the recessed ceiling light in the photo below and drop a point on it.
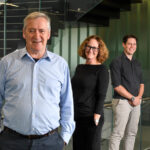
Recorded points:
(8, 4)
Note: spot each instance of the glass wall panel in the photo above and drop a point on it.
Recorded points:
(12, 14)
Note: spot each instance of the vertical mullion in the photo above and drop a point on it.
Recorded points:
(60, 45)
(88, 30)
(78, 43)
(5, 30)
(39, 5)
(69, 47)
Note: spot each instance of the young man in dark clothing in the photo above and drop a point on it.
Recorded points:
(126, 75)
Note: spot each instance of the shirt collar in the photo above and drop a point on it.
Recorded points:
(125, 57)
(24, 53)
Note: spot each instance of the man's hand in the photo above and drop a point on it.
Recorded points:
(136, 102)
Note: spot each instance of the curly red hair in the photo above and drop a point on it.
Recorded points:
(103, 51)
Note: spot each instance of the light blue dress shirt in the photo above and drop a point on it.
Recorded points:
(36, 96)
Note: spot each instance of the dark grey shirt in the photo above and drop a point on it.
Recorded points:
(127, 73)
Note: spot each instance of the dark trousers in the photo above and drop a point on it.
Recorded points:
(87, 135)
(10, 141)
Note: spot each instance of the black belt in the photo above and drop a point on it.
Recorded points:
(29, 136)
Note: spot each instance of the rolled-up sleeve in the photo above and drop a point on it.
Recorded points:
(115, 73)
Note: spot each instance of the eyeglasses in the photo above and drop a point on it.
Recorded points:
(94, 49)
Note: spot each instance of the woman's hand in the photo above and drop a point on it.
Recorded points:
(96, 118)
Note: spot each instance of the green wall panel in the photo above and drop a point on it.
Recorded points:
(136, 21)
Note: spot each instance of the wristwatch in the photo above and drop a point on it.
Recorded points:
(133, 98)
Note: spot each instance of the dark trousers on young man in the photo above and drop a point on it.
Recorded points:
(87, 135)
(13, 141)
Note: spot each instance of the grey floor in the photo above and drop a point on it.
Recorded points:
(143, 136)
(142, 141)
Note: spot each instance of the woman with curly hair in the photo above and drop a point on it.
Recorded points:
(89, 84)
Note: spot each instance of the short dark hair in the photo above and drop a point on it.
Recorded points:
(126, 37)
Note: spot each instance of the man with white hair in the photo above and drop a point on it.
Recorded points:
(35, 93)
